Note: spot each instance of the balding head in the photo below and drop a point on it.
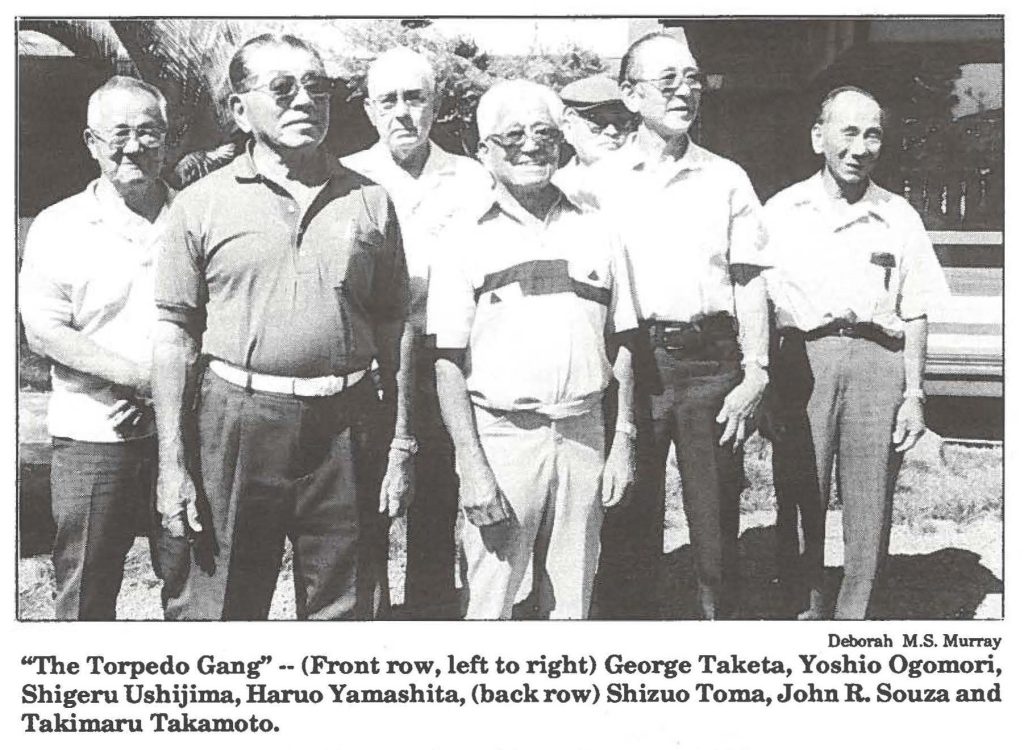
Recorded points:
(401, 63)
(401, 102)
(848, 135)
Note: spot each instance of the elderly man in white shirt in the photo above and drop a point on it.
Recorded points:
(86, 293)
(526, 310)
(854, 279)
(431, 189)
(695, 241)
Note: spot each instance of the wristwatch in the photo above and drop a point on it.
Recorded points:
(406, 444)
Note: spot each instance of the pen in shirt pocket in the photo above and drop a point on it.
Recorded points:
(886, 261)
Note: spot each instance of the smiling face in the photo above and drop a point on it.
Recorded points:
(849, 137)
(139, 162)
(664, 88)
(525, 146)
(282, 122)
(401, 104)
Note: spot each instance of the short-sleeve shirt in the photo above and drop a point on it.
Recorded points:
(533, 301)
(685, 223)
(450, 188)
(277, 291)
(869, 262)
(88, 266)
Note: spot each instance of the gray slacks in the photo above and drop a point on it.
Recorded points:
(837, 403)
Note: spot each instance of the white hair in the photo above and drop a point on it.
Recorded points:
(123, 83)
(504, 93)
(402, 58)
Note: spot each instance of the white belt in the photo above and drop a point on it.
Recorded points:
(326, 385)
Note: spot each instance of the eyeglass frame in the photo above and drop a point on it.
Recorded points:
(555, 140)
(695, 81)
(296, 84)
(113, 142)
(424, 95)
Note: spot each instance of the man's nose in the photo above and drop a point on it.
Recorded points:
(132, 146)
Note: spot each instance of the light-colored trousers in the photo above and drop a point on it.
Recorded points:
(840, 397)
(550, 472)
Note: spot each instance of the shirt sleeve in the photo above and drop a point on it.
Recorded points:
(180, 286)
(623, 313)
(451, 302)
(390, 288)
(45, 297)
(748, 236)
(923, 282)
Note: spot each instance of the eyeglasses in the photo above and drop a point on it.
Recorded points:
(120, 137)
(283, 88)
(414, 99)
(544, 136)
(669, 86)
(614, 129)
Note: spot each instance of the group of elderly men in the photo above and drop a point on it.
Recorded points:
(333, 341)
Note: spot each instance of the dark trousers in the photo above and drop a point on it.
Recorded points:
(98, 493)
(836, 399)
(430, 521)
(275, 465)
(679, 395)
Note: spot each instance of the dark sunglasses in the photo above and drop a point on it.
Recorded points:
(283, 87)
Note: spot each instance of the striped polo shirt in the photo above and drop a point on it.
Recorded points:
(532, 301)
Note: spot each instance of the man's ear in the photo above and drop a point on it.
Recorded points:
(371, 115)
(238, 112)
(817, 136)
(630, 96)
(89, 140)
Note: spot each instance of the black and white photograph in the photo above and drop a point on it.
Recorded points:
(455, 318)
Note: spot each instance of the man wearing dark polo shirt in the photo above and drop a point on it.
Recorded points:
(285, 272)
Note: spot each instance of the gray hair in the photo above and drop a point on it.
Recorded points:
(499, 95)
(123, 83)
(402, 57)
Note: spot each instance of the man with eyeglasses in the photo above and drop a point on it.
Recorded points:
(855, 279)
(595, 124)
(431, 188)
(524, 309)
(691, 224)
(86, 294)
(284, 271)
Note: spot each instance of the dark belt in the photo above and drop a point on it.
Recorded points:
(674, 336)
(845, 329)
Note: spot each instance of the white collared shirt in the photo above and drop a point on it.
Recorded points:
(684, 223)
(533, 301)
(449, 188)
(88, 264)
(869, 262)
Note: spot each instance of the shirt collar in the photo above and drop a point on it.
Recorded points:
(632, 155)
(106, 206)
(872, 205)
(246, 170)
(439, 162)
(501, 202)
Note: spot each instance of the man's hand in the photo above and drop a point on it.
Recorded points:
(619, 470)
(176, 502)
(480, 496)
(740, 405)
(399, 483)
(909, 425)
(126, 415)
